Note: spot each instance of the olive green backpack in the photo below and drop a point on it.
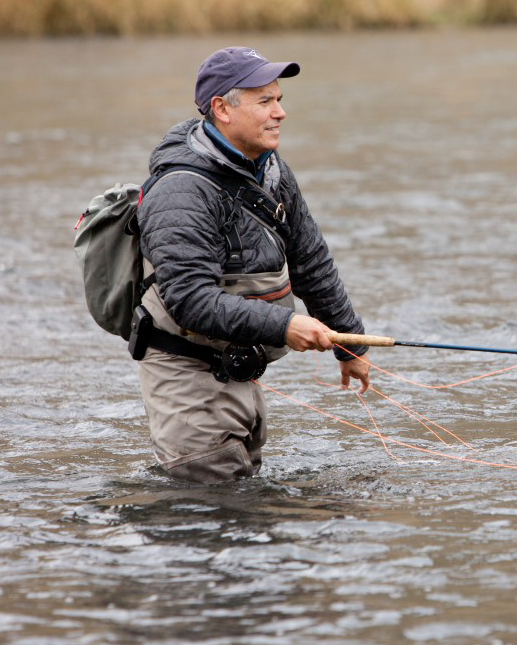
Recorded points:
(107, 245)
(107, 242)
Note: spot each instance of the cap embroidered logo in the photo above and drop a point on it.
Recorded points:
(253, 53)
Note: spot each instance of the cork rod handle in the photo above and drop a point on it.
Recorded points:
(359, 339)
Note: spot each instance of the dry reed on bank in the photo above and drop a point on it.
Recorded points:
(151, 17)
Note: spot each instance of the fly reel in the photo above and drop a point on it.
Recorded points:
(244, 363)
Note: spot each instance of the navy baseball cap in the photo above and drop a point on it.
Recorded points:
(240, 67)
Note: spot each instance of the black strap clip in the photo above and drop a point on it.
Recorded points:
(141, 327)
(234, 263)
(236, 211)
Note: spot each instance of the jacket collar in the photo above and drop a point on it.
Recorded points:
(256, 167)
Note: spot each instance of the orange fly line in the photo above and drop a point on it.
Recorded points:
(406, 409)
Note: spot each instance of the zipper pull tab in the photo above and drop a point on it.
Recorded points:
(80, 220)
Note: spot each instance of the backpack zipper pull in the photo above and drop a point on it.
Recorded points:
(83, 215)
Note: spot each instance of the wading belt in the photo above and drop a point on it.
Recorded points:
(236, 363)
(172, 344)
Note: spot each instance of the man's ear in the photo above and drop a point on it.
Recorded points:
(220, 109)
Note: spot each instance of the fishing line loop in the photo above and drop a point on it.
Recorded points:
(404, 408)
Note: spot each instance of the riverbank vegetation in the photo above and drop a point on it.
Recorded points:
(153, 17)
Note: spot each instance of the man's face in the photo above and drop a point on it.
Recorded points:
(254, 126)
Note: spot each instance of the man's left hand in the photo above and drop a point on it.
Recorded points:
(356, 368)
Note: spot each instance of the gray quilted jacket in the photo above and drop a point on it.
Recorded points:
(180, 221)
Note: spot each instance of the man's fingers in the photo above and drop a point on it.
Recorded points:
(357, 369)
(365, 384)
(364, 378)
(323, 343)
(304, 332)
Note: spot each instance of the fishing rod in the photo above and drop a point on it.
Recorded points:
(386, 341)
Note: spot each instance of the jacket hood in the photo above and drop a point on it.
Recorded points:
(173, 147)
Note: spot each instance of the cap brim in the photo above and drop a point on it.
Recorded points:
(268, 73)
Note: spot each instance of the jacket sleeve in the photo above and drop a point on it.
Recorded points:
(180, 221)
(313, 273)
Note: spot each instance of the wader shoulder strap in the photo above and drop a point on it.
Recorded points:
(253, 196)
(258, 201)
(240, 191)
(234, 263)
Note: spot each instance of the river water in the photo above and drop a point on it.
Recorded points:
(405, 146)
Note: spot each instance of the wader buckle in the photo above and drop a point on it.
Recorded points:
(280, 212)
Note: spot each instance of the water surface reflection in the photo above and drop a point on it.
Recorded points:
(404, 145)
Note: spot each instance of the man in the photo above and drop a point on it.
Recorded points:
(228, 277)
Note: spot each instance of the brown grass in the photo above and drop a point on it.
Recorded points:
(150, 17)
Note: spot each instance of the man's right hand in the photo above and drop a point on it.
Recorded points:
(304, 332)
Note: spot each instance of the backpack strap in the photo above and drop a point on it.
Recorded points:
(261, 204)
(254, 198)
(234, 263)
(147, 282)
(234, 193)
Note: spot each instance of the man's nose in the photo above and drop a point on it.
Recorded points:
(278, 112)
